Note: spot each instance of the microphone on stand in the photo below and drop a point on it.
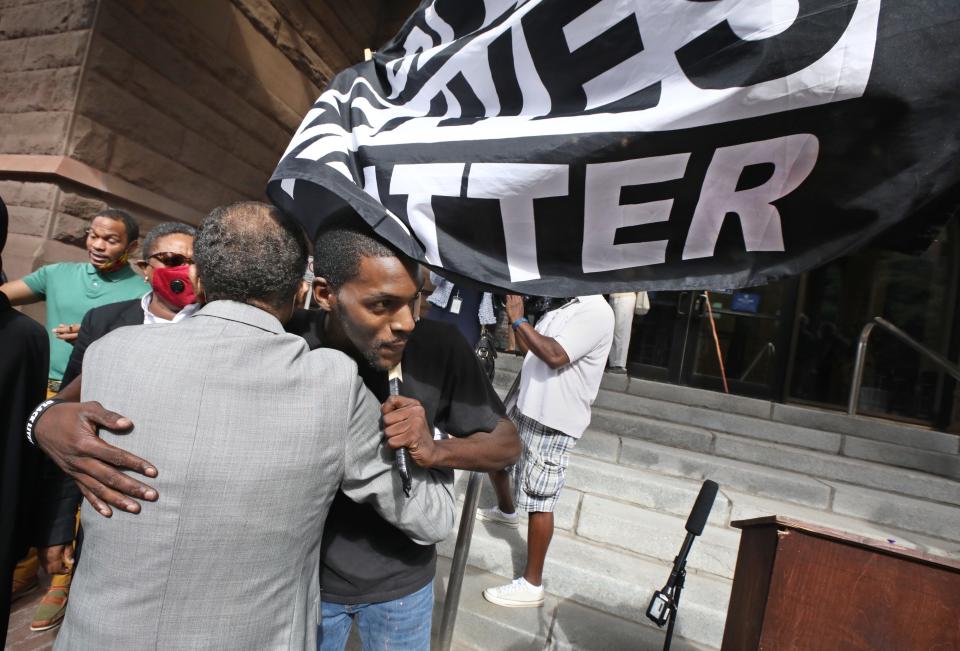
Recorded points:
(665, 602)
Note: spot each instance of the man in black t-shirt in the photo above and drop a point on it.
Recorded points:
(370, 571)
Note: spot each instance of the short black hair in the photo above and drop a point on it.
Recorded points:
(162, 230)
(338, 249)
(130, 225)
(250, 251)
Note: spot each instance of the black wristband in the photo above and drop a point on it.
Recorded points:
(37, 413)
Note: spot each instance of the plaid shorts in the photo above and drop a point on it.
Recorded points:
(539, 474)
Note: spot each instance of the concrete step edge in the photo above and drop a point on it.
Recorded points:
(700, 439)
(711, 420)
(944, 490)
(836, 421)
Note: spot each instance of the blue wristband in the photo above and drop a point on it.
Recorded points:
(519, 322)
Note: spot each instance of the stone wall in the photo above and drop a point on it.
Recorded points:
(42, 46)
(41, 51)
(201, 105)
(165, 108)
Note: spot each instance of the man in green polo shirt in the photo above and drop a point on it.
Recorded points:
(70, 289)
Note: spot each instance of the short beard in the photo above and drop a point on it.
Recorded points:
(372, 360)
(370, 356)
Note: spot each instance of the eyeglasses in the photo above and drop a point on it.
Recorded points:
(171, 259)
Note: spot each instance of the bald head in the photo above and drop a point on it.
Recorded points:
(250, 252)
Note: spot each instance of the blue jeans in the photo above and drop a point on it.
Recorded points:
(402, 624)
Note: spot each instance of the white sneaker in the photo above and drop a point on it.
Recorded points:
(494, 514)
(517, 594)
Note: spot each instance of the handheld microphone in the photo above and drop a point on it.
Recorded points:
(664, 604)
(309, 277)
(395, 377)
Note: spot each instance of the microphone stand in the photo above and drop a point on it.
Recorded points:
(665, 603)
(674, 605)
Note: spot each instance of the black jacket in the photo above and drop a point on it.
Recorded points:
(24, 356)
(96, 323)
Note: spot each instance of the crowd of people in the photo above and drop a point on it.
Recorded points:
(238, 469)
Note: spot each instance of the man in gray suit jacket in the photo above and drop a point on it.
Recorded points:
(240, 416)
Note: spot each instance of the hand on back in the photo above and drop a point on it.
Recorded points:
(67, 432)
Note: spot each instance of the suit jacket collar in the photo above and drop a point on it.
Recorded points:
(242, 313)
(132, 314)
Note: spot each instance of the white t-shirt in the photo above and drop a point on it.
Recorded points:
(561, 398)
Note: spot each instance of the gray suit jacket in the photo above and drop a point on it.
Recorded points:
(252, 434)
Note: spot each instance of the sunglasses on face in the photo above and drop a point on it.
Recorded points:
(171, 259)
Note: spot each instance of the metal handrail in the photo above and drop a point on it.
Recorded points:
(768, 348)
(461, 551)
(458, 565)
(861, 358)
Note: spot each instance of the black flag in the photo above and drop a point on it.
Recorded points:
(563, 147)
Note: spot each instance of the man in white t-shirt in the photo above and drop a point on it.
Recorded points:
(565, 357)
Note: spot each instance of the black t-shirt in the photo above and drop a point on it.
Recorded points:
(364, 558)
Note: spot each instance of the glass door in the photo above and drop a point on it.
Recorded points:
(917, 293)
(748, 338)
(675, 341)
(658, 340)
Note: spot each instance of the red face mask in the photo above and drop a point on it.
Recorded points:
(172, 284)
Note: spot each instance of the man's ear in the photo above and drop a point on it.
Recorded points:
(197, 284)
(133, 246)
(323, 294)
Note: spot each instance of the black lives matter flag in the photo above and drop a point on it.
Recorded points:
(564, 147)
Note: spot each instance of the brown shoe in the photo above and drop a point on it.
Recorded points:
(23, 586)
(25, 576)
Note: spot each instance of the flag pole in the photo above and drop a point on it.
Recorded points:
(716, 342)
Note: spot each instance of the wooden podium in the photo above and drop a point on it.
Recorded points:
(801, 586)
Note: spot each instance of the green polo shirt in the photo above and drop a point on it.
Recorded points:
(70, 290)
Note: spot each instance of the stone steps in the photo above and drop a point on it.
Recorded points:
(634, 476)
(906, 453)
(609, 553)
(559, 625)
(678, 450)
(698, 414)
(615, 582)
(620, 388)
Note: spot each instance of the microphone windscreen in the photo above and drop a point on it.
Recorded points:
(701, 508)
